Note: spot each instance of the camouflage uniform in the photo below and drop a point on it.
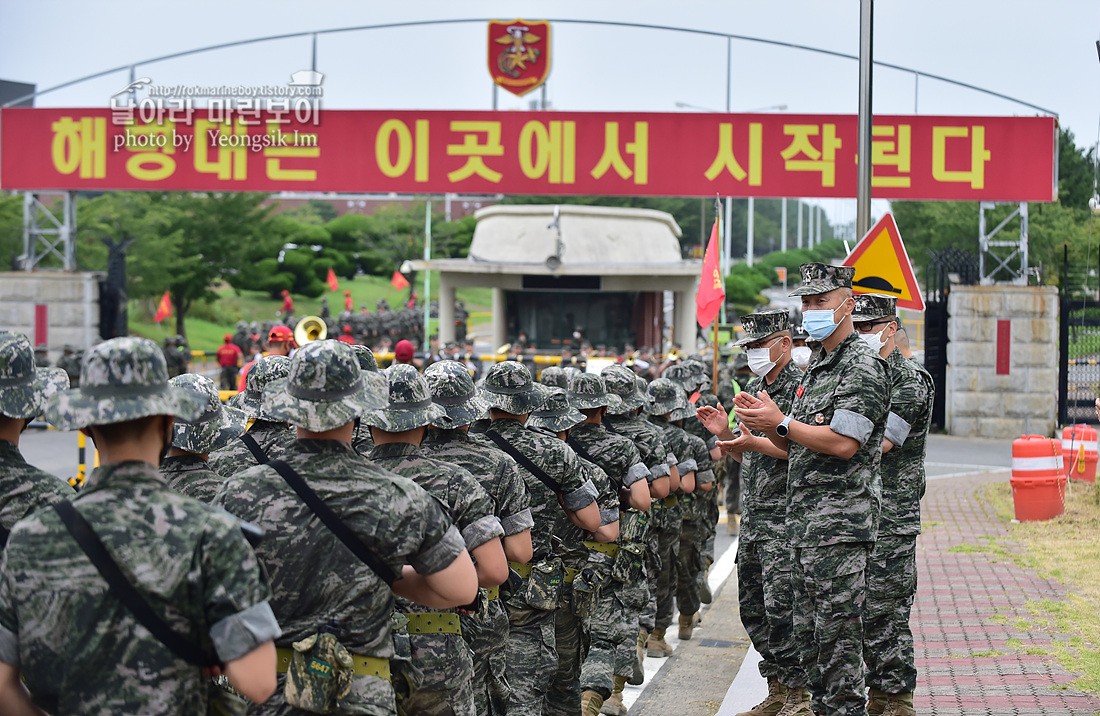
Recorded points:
(892, 567)
(70, 363)
(613, 625)
(190, 474)
(23, 487)
(532, 657)
(764, 547)
(92, 656)
(361, 439)
(274, 436)
(833, 506)
(317, 582)
(453, 390)
(440, 673)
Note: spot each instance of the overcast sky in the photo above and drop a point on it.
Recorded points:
(1041, 52)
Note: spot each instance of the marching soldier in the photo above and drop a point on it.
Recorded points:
(449, 440)
(892, 568)
(185, 467)
(96, 655)
(764, 548)
(267, 436)
(361, 440)
(440, 673)
(332, 590)
(833, 437)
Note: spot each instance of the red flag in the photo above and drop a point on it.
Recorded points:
(332, 283)
(164, 308)
(398, 281)
(708, 301)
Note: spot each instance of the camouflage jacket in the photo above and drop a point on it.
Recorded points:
(561, 464)
(494, 469)
(442, 659)
(361, 440)
(24, 488)
(648, 438)
(763, 477)
(829, 499)
(191, 475)
(902, 469)
(79, 649)
(615, 454)
(691, 451)
(315, 580)
(274, 438)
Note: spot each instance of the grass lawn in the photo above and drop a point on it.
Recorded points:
(1064, 549)
(207, 324)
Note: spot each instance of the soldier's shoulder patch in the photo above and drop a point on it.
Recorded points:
(800, 391)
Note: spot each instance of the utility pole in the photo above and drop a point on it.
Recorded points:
(866, 62)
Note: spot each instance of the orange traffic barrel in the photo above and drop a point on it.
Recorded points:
(1038, 478)
(1079, 454)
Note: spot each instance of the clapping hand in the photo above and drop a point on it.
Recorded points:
(759, 413)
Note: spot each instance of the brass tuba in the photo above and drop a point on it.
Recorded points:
(309, 329)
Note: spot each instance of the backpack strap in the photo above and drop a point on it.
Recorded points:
(254, 448)
(523, 460)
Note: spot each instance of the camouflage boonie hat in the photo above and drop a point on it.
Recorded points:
(708, 399)
(410, 403)
(873, 306)
(667, 396)
(265, 369)
(508, 386)
(569, 371)
(56, 381)
(367, 361)
(683, 376)
(643, 390)
(215, 427)
(620, 381)
(553, 375)
(121, 379)
(557, 415)
(324, 389)
(588, 390)
(699, 368)
(822, 278)
(763, 324)
(453, 390)
(22, 384)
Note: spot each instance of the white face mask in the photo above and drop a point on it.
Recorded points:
(874, 341)
(801, 356)
(759, 361)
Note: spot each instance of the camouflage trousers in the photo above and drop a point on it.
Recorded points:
(456, 701)
(765, 594)
(689, 565)
(564, 695)
(610, 633)
(369, 695)
(491, 689)
(732, 486)
(665, 548)
(830, 590)
(531, 657)
(440, 677)
(887, 640)
(635, 599)
(708, 515)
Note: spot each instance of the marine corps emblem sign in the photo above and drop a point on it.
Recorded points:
(519, 54)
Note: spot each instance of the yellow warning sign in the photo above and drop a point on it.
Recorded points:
(882, 266)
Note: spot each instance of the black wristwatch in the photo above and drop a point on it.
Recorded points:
(784, 427)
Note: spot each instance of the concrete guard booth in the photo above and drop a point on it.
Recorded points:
(606, 276)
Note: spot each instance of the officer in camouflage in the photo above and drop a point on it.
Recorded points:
(319, 586)
(613, 623)
(449, 440)
(273, 436)
(175, 551)
(23, 487)
(532, 659)
(440, 673)
(185, 467)
(764, 547)
(892, 567)
(833, 437)
(575, 630)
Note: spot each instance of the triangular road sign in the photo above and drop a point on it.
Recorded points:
(883, 266)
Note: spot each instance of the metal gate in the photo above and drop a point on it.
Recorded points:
(945, 268)
(1078, 346)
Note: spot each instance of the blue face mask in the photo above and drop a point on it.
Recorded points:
(820, 324)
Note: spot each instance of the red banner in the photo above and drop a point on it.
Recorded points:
(612, 154)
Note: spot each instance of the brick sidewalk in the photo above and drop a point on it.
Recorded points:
(957, 593)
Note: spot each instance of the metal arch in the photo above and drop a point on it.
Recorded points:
(45, 234)
(610, 23)
(1015, 260)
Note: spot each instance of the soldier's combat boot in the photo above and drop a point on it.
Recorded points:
(591, 703)
(899, 705)
(733, 525)
(657, 647)
(687, 624)
(797, 703)
(705, 595)
(876, 701)
(775, 700)
(638, 677)
(614, 706)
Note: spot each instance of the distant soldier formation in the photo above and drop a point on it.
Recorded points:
(428, 540)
